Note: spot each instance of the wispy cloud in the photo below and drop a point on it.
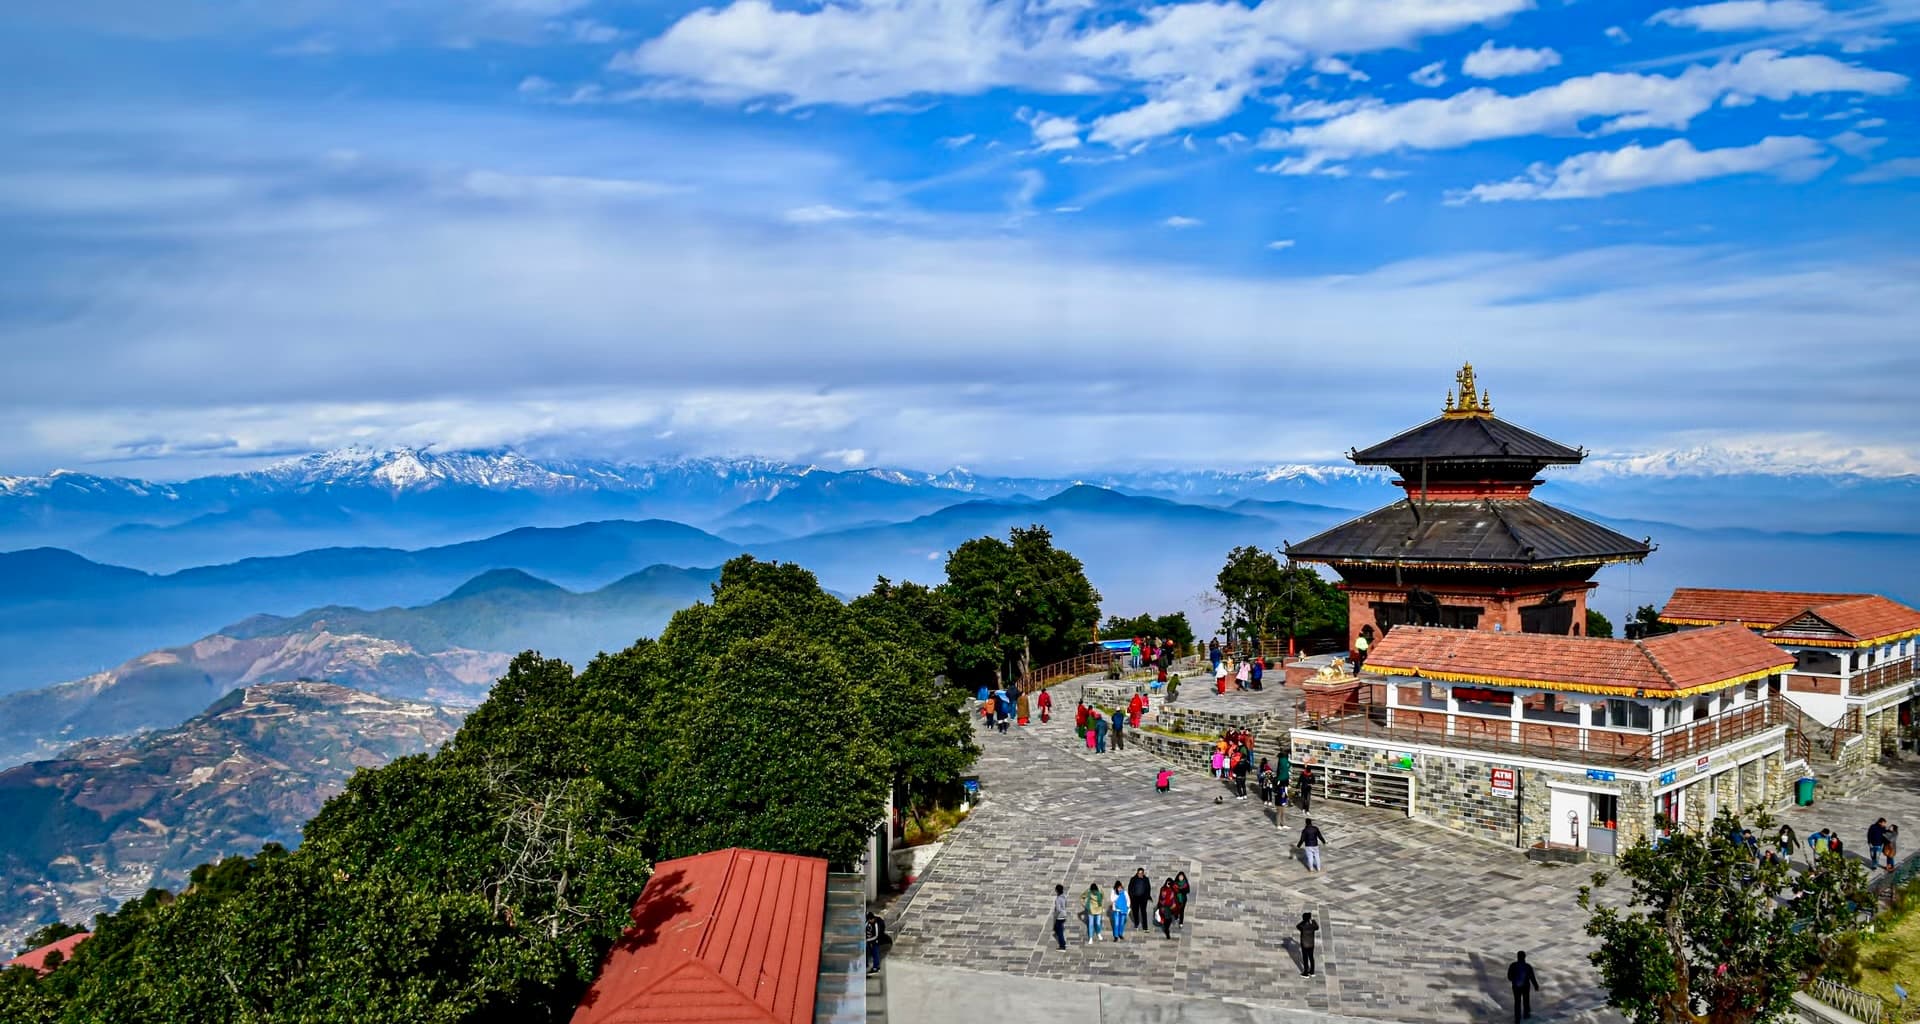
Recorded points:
(1178, 222)
(1632, 168)
(1491, 61)
(1280, 244)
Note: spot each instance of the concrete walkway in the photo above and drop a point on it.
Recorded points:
(926, 994)
(1417, 923)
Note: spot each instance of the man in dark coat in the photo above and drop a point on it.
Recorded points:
(1520, 975)
(1139, 897)
(1308, 926)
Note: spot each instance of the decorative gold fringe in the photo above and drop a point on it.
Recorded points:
(1547, 684)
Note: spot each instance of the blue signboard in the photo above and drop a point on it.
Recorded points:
(1336, 746)
(1599, 775)
(1666, 778)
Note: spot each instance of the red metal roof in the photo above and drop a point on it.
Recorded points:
(1701, 659)
(37, 958)
(729, 937)
(1761, 609)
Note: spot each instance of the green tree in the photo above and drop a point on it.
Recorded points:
(47, 935)
(1249, 585)
(1015, 604)
(1647, 620)
(1307, 605)
(1173, 627)
(1598, 625)
(1709, 935)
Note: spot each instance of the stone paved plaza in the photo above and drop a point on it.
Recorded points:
(1418, 923)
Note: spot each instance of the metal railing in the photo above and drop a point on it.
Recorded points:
(1863, 1006)
(1549, 741)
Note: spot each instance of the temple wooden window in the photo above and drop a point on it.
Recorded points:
(1556, 619)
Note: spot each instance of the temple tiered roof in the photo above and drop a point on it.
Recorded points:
(1493, 532)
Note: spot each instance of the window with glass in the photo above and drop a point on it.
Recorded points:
(1625, 714)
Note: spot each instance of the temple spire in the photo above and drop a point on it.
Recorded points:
(1472, 402)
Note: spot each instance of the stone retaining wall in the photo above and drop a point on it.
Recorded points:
(1202, 722)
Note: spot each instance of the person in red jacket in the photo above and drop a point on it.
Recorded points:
(1045, 701)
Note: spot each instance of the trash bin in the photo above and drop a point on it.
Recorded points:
(1803, 792)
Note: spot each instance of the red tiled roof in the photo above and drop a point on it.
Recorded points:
(729, 937)
(37, 958)
(1676, 663)
(1856, 622)
(1706, 606)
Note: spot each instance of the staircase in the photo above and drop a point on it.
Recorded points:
(842, 993)
(1817, 744)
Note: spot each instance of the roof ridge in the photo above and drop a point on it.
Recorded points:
(1654, 660)
(1525, 548)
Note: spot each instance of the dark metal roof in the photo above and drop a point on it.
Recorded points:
(1467, 438)
(1504, 532)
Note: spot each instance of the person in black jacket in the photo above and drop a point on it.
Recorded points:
(1139, 897)
(1308, 926)
(1520, 975)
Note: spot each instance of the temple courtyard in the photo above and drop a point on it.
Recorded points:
(1418, 923)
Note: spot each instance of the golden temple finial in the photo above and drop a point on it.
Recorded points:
(1472, 402)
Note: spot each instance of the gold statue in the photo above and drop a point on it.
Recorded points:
(1472, 402)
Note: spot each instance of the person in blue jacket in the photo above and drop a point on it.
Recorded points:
(1117, 907)
(1119, 729)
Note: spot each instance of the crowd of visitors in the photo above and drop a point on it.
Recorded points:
(1133, 902)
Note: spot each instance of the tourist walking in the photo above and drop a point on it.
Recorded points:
(1139, 897)
(1308, 927)
(1787, 842)
(1877, 844)
(1240, 769)
(1213, 654)
(1265, 779)
(1164, 908)
(1060, 915)
(1280, 800)
(1182, 892)
(1095, 905)
(873, 942)
(1099, 732)
(1119, 730)
(1309, 843)
(1525, 983)
(1244, 676)
(1045, 700)
(1219, 762)
(1255, 673)
(1118, 907)
(1306, 789)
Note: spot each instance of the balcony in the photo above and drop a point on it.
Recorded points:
(1596, 746)
(1883, 677)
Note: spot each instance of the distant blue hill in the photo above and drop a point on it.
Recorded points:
(64, 616)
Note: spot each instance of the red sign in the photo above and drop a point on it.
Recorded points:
(1503, 782)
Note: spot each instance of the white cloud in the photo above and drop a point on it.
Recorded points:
(495, 185)
(587, 30)
(957, 141)
(1622, 102)
(847, 456)
(1190, 63)
(1744, 16)
(1280, 244)
(1590, 175)
(1051, 132)
(1178, 222)
(1888, 170)
(1031, 182)
(1395, 196)
(1432, 75)
(1299, 166)
(1383, 174)
(1336, 66)
(534, 85)
(1871, 122)
(1866, 43)
(1617, 35)
(1855, 144)
(819, 213)
(1490, 61)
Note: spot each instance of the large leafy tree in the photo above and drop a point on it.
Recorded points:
(1016, 603)
(1249, 585)
(1710, 935)
(1173, 627)
(485, 882)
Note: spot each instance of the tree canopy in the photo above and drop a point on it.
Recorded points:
(1710, 934)
(1173, 627)
(1598, 625)
(1015, 604)
(1262, 596)
(485, 882)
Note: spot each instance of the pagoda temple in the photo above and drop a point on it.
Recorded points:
(1470, 547)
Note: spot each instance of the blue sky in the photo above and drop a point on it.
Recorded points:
(1015, 235)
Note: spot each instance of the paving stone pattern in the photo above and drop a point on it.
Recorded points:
(1418, 922)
